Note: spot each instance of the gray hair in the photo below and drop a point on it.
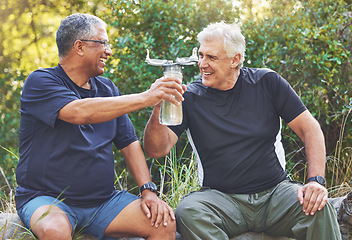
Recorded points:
(74, 27)
(234, 41)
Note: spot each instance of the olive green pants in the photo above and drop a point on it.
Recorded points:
(211, 214)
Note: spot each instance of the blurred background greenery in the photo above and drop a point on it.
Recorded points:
(308, 42)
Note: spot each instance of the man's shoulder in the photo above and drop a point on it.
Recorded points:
(196, 87)
(47, 74)
(254, 75)
(45, 71)
(43, 74)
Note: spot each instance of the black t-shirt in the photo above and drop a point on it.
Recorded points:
(236, 134)
(60, 158)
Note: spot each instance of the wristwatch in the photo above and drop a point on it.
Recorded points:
(150, 186)
(319, 179)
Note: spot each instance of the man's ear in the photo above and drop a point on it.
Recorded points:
(236, 60)
(78, 47)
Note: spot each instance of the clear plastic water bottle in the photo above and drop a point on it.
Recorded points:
(171, 114)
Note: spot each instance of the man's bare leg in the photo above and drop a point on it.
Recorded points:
(132, 222)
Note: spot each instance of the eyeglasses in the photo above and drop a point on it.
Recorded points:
(105, 43)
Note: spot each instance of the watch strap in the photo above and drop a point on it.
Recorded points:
(150, 186)
(319, 179)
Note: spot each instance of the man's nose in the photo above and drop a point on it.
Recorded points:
(108, 50)
(202, 63)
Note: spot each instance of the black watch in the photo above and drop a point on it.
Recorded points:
(319, 179)
(150, 186)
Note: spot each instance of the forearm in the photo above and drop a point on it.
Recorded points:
(102, 109)
(312, 195)
(157, 139)
(309, 131)
(315, 152)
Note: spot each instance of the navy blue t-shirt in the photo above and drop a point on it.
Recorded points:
(236, 134)
(60, 158)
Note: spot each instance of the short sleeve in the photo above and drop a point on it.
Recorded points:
(44, 94)
(125, 132)
(286, 101)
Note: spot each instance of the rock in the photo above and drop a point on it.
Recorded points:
(344, 215)
(12, 228)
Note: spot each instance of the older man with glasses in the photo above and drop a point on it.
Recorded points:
(70, 118)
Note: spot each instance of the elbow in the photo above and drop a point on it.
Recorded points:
(153, 154)
(153, 151)
(158, 140)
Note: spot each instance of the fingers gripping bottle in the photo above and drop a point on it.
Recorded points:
(171, 114)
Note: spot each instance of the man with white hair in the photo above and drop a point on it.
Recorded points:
(233, 119)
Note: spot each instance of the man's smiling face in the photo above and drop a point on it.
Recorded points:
(97, 53)
(216, 67)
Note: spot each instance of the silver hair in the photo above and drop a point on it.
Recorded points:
(74, 27)
(234, 41)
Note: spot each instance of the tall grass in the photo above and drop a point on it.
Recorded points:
(7, 199)
(339, 166)
(178, 177)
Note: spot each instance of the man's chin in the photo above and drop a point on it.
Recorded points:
(101, 72)
(206, 83)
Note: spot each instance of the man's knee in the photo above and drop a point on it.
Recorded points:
(53, 231)
(187, 210)
(164, 232)
(322, 225)
(194, 213)
(50, 222)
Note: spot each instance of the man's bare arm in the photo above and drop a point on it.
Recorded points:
(154, 208)
(97, 110)
(158, 138)
(313, 196)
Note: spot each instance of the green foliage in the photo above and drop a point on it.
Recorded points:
(178, 176)
(11, 85)
(28, 27)
(339, 165)
(309, 43)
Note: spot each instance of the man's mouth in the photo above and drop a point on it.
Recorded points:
(207, 74)
(103, 60)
